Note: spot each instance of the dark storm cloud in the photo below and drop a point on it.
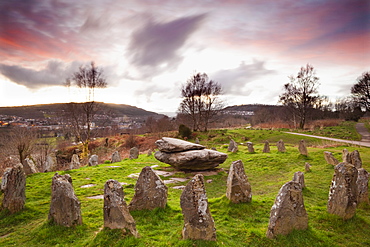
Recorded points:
(155, 48)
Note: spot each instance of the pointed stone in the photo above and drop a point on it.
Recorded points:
(330, 158)
(75, 162)
(14, 187)
(307, 167)
(250, 147)
(233, 146)
(281, 146)
(266, 147)
(116, 213)
(346, 156)
(134, 153)
(29, 166)
(362, 186)
(198, 222)
(299, 178)
(356, 159)
(150, 191)
(238, 189)
(288, 212)
(343, 191)
(302, 148)
(65, 208)
(116, 157)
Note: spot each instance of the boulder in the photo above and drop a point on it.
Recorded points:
(238, 189)
(233, 146)
(299, 178)
(288, 212)
(150, 191)
(198, 222)
(116, 157)
(302, 148)
(356, 159)
(75, 162)
(134, 153)
(94, 160)
(29, 166)
(281, 146)
(116, 213)
(170, 145)
(330, 158)
(13, 186)
(266, 147)
(65, 208)
(362, 186)
(343, 191)
(250, 147)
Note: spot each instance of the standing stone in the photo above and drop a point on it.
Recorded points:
(362, 186)
(116, 213)
(50, 163)
(302, 147)
(238, 189)
(197, 140)
(134, 153)
(150, 191)
(330, 158)
(29, 166)
(288, 212)
(75, 162)
(116, 157)
(150, 152)
(281, 146)
(65, 208)
(250, 147)
(307, 167)
(94, 160)
(233, 146)
(266, 147)
(346, 156)
(343, 191)
(356, 159)
(299, 178)
(198, 222)
(14, 187)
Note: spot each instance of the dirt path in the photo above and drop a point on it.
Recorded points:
(363, 131)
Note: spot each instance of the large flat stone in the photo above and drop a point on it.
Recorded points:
(169, 145)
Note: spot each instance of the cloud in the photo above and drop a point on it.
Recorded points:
(235, 81)
(155, 48)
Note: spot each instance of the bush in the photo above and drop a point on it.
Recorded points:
(184, 131)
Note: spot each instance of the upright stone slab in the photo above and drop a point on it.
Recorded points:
(238, 189)
(329, 158)
(65, 208)
(14, 187)
(116, 157)
(134, 153)
(94, 160)
(356, 159)
(281, 146)
(307, 167)
(150, 191)
(233, 146)
(302, 147)
(362, 186)
(29, 166)
(250, 147)
(266, 147)
(299, 178)
(75, 162)
(343, 191)
(50, 163)
(116, 213)
(288, 212)
(198, 222)
(346, 156)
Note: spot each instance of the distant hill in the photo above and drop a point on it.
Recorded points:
(249, 107)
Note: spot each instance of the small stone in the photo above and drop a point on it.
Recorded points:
(50, 163)
(307, 167)
(116, 157)
(250, 147)
(330, 158)
(13, 185)
(94, 160)
(233, 146)
(302, 148)
(29, 166)
(281, 146)
(238, 189)
(75, 162)
(134, 153)
(266, 147)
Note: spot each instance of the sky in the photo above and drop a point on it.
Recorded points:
(148, 49)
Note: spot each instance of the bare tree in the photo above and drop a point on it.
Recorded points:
(201, 100)
(301, 93)
(22, 141)
(361, 90)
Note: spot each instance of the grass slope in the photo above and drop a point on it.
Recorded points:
(237, 224)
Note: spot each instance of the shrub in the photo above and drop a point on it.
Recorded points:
(184, 131)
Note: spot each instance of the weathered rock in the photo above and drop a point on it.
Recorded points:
(198, 222)
(29, 166)
(356, 159)
(170, 145)
(50, 163)
(134, 153)
(14, 187)
(150, 152)
(362, 186)
(75, 162)
(197, 140)
(116, 157)
(281, 146)
(288, 212)
(343, 191)
(94, 160)
(330, 158)
(346, 156)
(238, 189)
(150, 191)
(65, 208)
(192, 160)
(233, 146)
(299, 178)
(116, 213)
(302, 147)
(213, 148)
(250, 147)
(307, 167)
(266, 147)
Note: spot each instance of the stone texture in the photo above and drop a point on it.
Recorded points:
(233, 146)
(65, 208)
(29, 166)
(116, 213)
(50, 163)
(299, 178)
(134, 153)
(250, 147)
(266, 147)
(13, 186)
(192, 160)
(238, 189)
(150, 191)
(343, 191)
(116, 157)
(356, 159)
(362, 186)
(170, 145)
(288, 212)
(302, 147)
(346, 156)
(198, 222)
(75, 162)
(94, 160)
(281, 146)
(329, 158)
(307, 167)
